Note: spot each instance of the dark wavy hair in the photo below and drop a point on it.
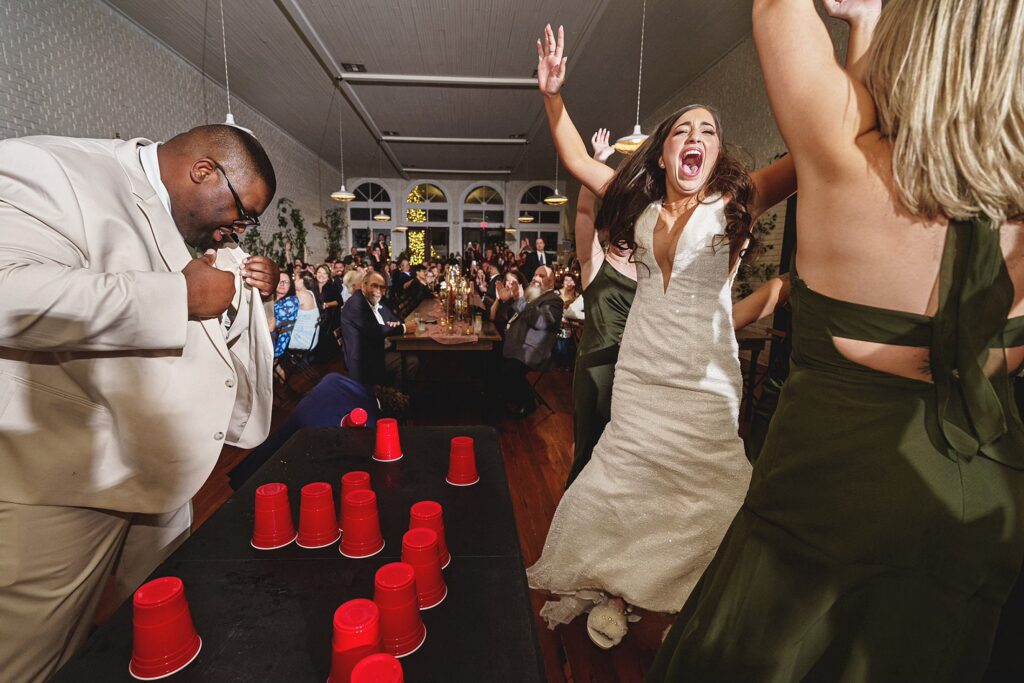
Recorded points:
(640, 181)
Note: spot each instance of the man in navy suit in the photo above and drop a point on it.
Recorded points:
(536, 258)
(366, 324)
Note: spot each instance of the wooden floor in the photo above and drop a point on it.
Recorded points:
(537, 452)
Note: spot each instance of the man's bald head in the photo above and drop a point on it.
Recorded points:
(544, 277)
(210, 172)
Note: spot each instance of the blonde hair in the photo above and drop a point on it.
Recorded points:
(947, 77)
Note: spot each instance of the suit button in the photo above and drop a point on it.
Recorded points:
(229, 383)
(219, 436)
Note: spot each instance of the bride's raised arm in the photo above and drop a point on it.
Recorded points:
(570, 146)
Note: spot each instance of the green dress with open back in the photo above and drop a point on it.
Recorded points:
(884, 525)
(606, 303)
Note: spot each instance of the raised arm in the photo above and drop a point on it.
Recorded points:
(571, 149)
(588, 246)
(862, 16)
(820, 109)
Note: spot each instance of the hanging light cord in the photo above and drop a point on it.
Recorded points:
(341, 139)
(224, 42)
(640, 78)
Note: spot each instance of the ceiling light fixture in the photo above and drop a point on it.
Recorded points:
(632, 142)
(381, 217)
(557, 198)
(342, 194)
(229, 120)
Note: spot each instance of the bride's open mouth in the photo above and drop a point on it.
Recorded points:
(691, 162)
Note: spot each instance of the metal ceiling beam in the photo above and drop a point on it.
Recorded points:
(463, 81)
(455, 171)
(301, 23)
(454, 141)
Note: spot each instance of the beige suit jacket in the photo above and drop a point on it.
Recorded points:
(109, 396)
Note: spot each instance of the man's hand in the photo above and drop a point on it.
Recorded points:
(502, 291)
(210, 291)
(393, 323)
(261, 273)
(851, 11)
(599, 141)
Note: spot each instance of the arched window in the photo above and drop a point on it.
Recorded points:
(547, 220)
(372, 202)
(483, 216)
(426, 216)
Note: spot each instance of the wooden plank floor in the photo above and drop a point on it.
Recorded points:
(537, 452)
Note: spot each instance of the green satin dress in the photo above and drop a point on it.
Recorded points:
(884, 525)
(606, 304)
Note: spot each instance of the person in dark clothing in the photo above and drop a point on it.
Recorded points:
(366, 323)
(529, 338)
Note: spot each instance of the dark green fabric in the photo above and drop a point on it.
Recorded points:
(606, 304)
(876, 543)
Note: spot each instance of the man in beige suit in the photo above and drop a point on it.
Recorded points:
(132, 348)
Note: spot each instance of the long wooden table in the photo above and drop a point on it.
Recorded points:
(266, 615)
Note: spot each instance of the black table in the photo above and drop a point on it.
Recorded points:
(266, 615)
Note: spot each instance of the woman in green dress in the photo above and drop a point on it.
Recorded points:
(884, 524)
(609, 284)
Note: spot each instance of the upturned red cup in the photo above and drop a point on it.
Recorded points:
(165, 640)
(428, 514)
(352, 481)
(401, 626)
(388, 447)
(318, 523)
(357, 418)
(462, 462)
(356, 636)
(419, 550)
(359, 517)
(272, 527)
(381, 668)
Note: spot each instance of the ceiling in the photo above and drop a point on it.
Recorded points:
(284, 55)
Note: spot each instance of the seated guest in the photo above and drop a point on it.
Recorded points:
(366, 324)
(286, 310)
(307, 322)
(330, 298)
(416, 290)
(352, 282)
(324, 406)
(530, 337)
(508, 294)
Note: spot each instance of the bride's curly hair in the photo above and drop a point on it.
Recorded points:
(640, 181)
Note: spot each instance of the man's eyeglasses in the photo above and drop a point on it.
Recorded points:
(245, 219)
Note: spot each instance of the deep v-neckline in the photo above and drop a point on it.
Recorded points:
(666, 283)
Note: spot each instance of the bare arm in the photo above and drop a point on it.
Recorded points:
(820, 109)
(571, 148)
(588, 246)
(761, 303)
(862, 16)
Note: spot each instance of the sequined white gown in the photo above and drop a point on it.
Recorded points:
(646, 515)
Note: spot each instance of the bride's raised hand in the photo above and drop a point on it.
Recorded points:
(550, 62)
(599, 141)
(853, 10)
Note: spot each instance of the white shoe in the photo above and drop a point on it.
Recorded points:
(607, 624)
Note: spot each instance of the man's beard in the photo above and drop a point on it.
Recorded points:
(533, 293)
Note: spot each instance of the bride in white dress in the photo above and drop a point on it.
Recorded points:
(646, 515)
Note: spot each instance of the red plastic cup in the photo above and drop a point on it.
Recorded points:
(273, 526)
(362, 537)
(357, 418)
(318, 523)
(401, 626)
(382, 668)
(419, 550)
(388, 448)
(427, 514)
(356, 636)
(462, 462)
(165, 640)
(352, 481)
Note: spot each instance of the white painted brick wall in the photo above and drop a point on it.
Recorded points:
(79, 68)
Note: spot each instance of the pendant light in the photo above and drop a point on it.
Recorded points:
(342, 194)
(556, 199)
(632, 142)
(524, 216)
(229, 120)
(381, 217)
